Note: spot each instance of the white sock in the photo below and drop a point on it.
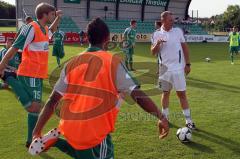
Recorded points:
(187, 114)
(165, 112)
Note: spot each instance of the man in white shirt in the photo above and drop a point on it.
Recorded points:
(158, 25)
(173, 53)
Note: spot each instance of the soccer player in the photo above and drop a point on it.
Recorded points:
(3, 51)
(157, 25)
(10, 75)
(130, 35)
(170, 45)
(81, 36)
(34, 41)
(58, 48)
(90, 86)
(233, 43)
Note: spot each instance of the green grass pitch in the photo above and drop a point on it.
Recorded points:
(213, 92)
(7, 29)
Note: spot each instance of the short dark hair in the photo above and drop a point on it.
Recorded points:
(165, 14)
(133, 22)
(27, 18)
(97, 31)
(159, 23)
(43, 8)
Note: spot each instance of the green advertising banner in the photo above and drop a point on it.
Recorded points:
(162, 3)
(72, 1)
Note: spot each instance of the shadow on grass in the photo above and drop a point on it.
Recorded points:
(194, 145)
(216, 51)
(212, 85)
(224, 142)
(199, 147)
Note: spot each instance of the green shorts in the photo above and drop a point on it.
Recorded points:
(58, 51)
(129, 54)
(19, 90)
(104, 150)
(233, 49)
(33, 87)
(130, 51)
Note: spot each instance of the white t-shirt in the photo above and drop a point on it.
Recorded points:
(171, 53)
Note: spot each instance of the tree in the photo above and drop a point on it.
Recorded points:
(7, 11)
(230, 18)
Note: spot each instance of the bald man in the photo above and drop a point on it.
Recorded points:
(174, 63)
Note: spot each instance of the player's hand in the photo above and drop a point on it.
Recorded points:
(36, 135)
(187, 69)
(163, 128)
(160, 41)
(59, 13)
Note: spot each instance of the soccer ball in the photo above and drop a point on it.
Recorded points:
(207, 59)
(184, 134)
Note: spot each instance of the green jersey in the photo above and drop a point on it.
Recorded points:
(20, 29)
(26, 36)
(58, 38)
(13, 63)
(130, 34)
(234, 39)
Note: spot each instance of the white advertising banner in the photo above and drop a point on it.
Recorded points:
(139, 37)
(208, 38)
(115, 37)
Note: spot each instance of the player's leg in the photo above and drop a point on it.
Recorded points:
(179, 83)
(105, 150)
(231, 54)
(236, 50)
(166, 86)
(65, 147)
(60, 55)
(58, 61)
(127, 56)
(165, 103)
(19, 91)
(131, 51)
(34, 88)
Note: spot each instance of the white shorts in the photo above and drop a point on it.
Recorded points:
(172, 80)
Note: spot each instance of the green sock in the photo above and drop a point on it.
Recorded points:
(1, 85)
(232, 57)
(32, 120)
(58, 61)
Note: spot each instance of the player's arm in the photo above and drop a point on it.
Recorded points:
(126, 84)
(155, 48)
(149, 106)
(185, 52)
(25, 37)
(125, 34)
(46, 113)
(52, 103)
(8, 56)
(55, 23)
(186, 57)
